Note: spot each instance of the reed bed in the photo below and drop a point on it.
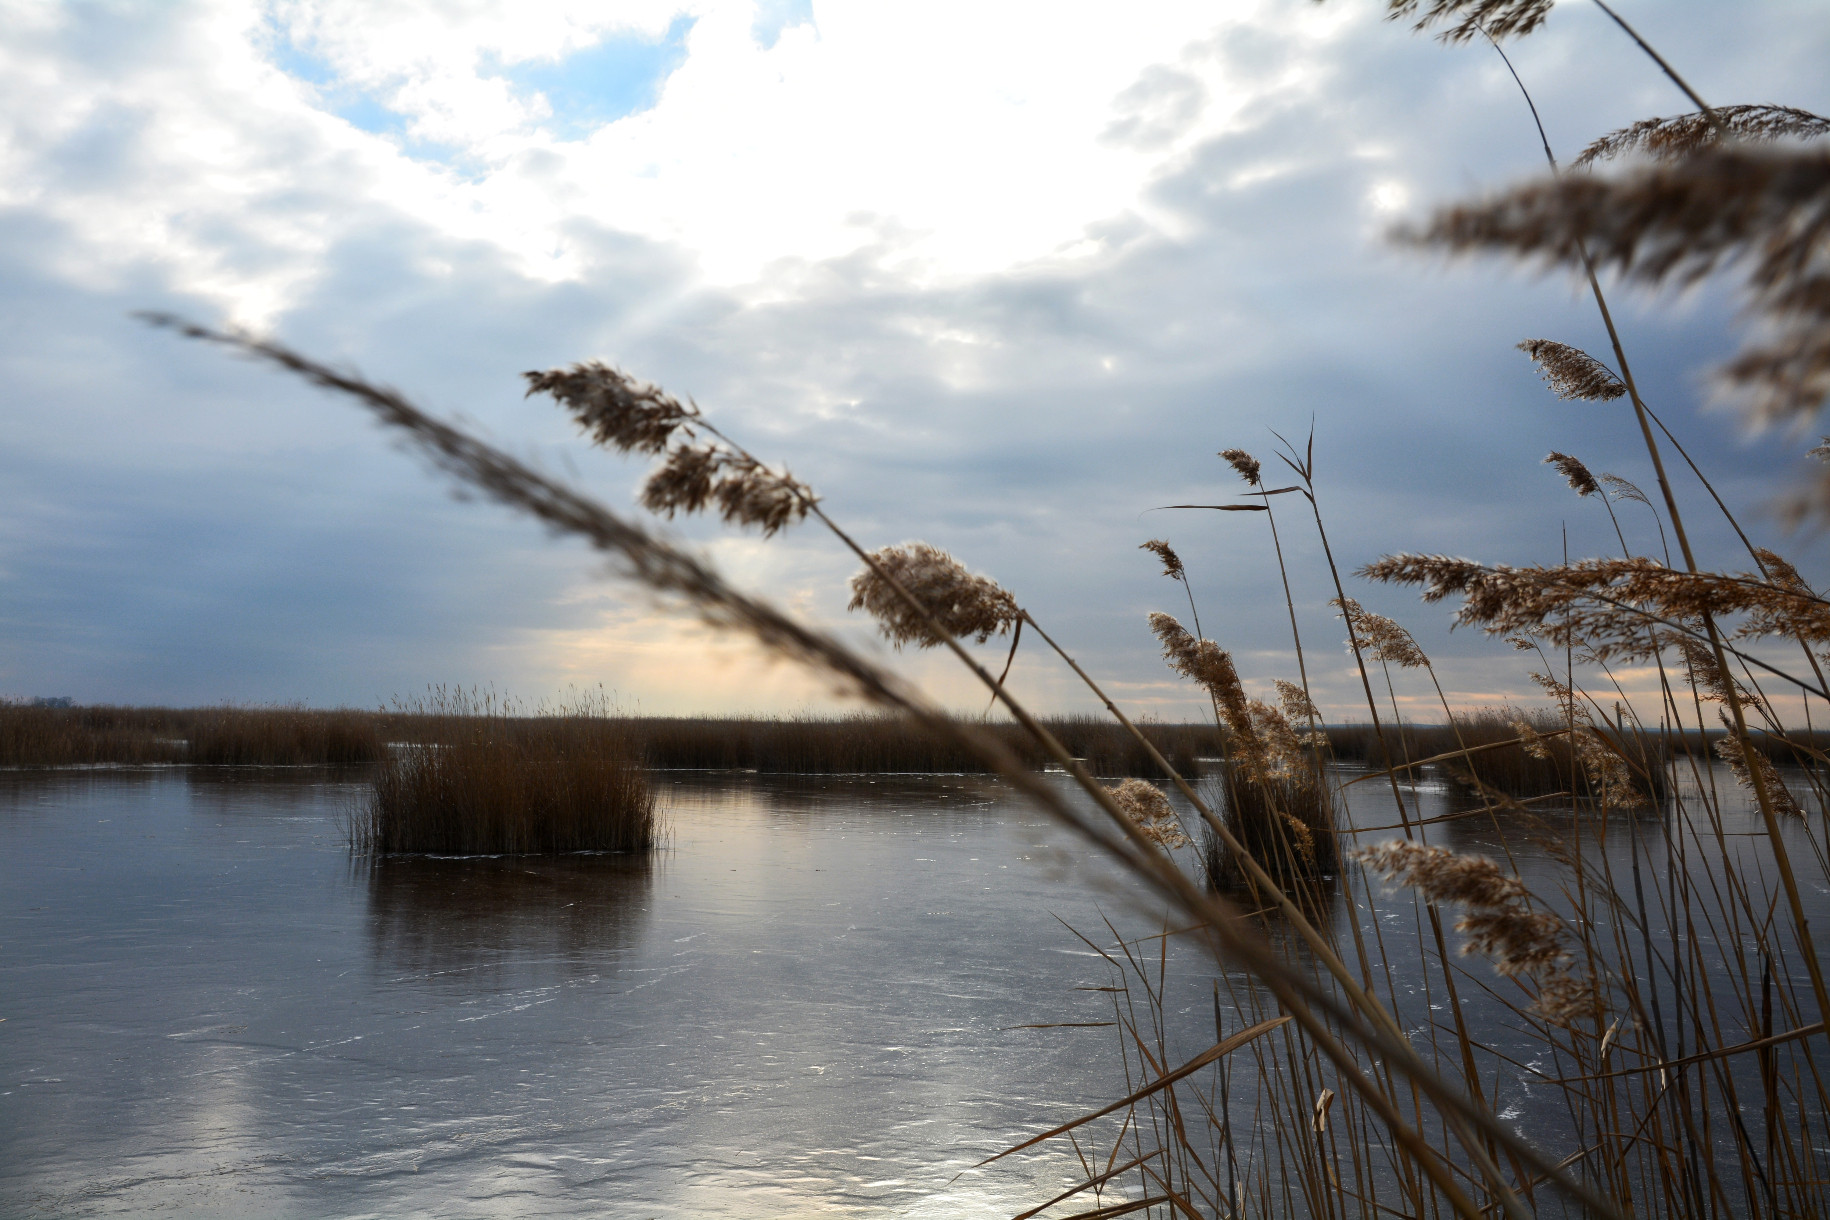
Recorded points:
(493, 784)
(87, 736)
(807, 745)
(879, 745)
(1645, 1029)
(214, 736)
(283, 737)
(1493, 748)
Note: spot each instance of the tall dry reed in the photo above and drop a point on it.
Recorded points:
(492, 783)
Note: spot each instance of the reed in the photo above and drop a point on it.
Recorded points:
(84, 736)
(484, 782)
(282, 737)
(863, 744)
(215, 736)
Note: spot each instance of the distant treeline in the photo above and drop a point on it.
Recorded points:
(56, 736)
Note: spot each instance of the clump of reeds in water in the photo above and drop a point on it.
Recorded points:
(1277, 801)
(492, 783)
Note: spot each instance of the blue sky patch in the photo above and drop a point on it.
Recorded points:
(775, 16)
(358, 107)
(620, 76)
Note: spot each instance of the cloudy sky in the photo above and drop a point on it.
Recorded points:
(1003, 277)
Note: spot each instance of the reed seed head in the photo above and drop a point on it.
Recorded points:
(1610, 776)
(1245, 464)
(1295, 700)
(1442, 876)
(1620, 489)
(1572, 372)
(1601, 604)
(1780, 571)
(968, 606)
(1729, 749)
(1580, 480)
(750, 493)
(1564, 999)
(1151, 812)
(683, 482)
(1380, 637)
(1766, 210)
(693, 476)
(1683, 134)
(1500, 922)
(1711, 684)
(1172, 563)
(615, 410)
(1207, 663)
(1301, 838)
(1468, 19)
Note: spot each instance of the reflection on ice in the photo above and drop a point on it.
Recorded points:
(496, 922)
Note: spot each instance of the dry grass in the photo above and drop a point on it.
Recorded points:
(218, 736)
(482, 782)
(876, 744)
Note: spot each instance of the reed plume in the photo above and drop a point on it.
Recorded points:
(1729, 749)
(1683, 134)
(1765, 210)
(968, 606)
(1469, 19)
(1147, 807)
(1621, 489)
(1247, 466)
(1609, 774)
(1580, 480)
(1172, 563)
(619, 412)
(1710, 683)
(1295, 701)
(616, 410)
(1381, 637)
(1206, 663)
(1500, 922)
(1603, 605)
(1572, 372)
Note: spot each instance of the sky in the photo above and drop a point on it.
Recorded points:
(1001, 277)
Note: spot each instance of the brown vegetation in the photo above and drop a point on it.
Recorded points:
(489, 783)
(218, 736)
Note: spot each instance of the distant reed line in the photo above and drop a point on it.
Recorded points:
(789, 745)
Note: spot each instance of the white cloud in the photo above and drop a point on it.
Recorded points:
(949, 139)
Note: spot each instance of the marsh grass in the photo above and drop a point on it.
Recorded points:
(283, 737)
(1484, 750)
(214, 736)
(877, 744)
(484, 782)
(806, 745)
